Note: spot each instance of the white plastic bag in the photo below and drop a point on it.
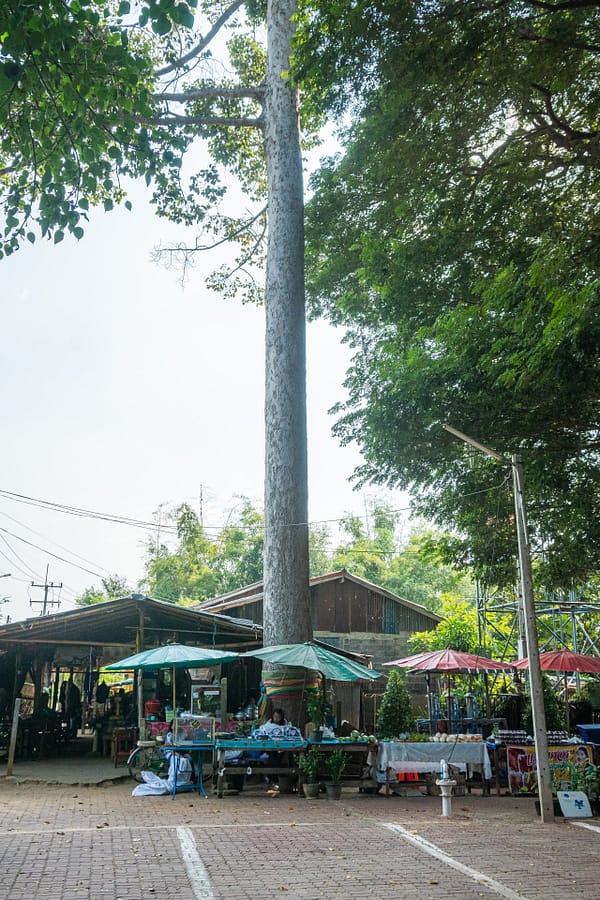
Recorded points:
(154, 786)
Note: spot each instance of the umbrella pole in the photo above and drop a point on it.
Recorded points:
(140, 705)
(567, 700)
(174, 689)
(429, 703)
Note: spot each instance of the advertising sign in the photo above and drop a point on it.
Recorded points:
(522, 771)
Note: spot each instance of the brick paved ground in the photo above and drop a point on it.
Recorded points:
(99, 843)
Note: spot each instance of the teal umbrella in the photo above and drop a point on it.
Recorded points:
(173, 656)
(312, 656)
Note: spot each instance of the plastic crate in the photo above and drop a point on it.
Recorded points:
(157, 728)
(194, 729)
(589, 733)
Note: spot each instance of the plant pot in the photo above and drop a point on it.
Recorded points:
(334, 791)
(311, 789)
(316, 736)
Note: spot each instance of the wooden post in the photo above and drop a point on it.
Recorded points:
(140, 684)
(223, 703)
(13, 736)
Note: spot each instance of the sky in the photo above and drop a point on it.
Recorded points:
(122, 391)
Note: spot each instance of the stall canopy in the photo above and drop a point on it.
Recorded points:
(94, 636)
(173, 656)
(310, 655)
(450, 661)
(565, 661)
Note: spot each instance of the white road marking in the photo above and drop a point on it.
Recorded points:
(585, 825)
(436, 852)
(194, 866)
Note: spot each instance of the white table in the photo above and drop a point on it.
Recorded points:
(426, 756)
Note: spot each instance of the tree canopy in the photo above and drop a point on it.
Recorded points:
(199, 566)
(95, 90)
(457, 237)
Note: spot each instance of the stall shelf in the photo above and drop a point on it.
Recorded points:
(241, 745)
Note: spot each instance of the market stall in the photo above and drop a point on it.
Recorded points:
(450, 662)
(243, 757)
(400, 757)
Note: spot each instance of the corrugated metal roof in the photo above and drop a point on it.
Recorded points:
(117, 621)
(241, 597)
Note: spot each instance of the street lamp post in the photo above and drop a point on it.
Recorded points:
(531, 636)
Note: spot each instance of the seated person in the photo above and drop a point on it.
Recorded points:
(276, 723)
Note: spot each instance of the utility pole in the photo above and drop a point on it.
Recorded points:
(46, 602)
(540, 735)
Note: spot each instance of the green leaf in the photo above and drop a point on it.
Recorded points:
(58, 236)
(161, 25)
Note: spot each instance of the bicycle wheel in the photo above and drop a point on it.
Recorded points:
(144, 759)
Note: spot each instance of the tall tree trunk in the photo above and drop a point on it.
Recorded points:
(286, 590)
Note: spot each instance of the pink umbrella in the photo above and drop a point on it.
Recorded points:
(449, 661)
(564, 661)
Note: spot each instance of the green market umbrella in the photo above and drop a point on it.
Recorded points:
(173, 656)
(312, 656)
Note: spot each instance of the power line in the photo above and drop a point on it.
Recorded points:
(15, 554)
(49, 552)
(46, 538)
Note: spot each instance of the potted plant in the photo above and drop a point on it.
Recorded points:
(335, 763)
(309, 764)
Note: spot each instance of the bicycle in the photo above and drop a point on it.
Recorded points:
(148, 756)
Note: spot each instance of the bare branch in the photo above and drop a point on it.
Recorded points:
(213, 93)
(224, 240)
(229, 12)
(222, 121)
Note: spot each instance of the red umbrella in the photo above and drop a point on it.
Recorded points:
(563, 661)
(449, 661)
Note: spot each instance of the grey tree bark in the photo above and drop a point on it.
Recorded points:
(286, 590)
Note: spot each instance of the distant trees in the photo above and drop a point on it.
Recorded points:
(200, 565)
(113, 587)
